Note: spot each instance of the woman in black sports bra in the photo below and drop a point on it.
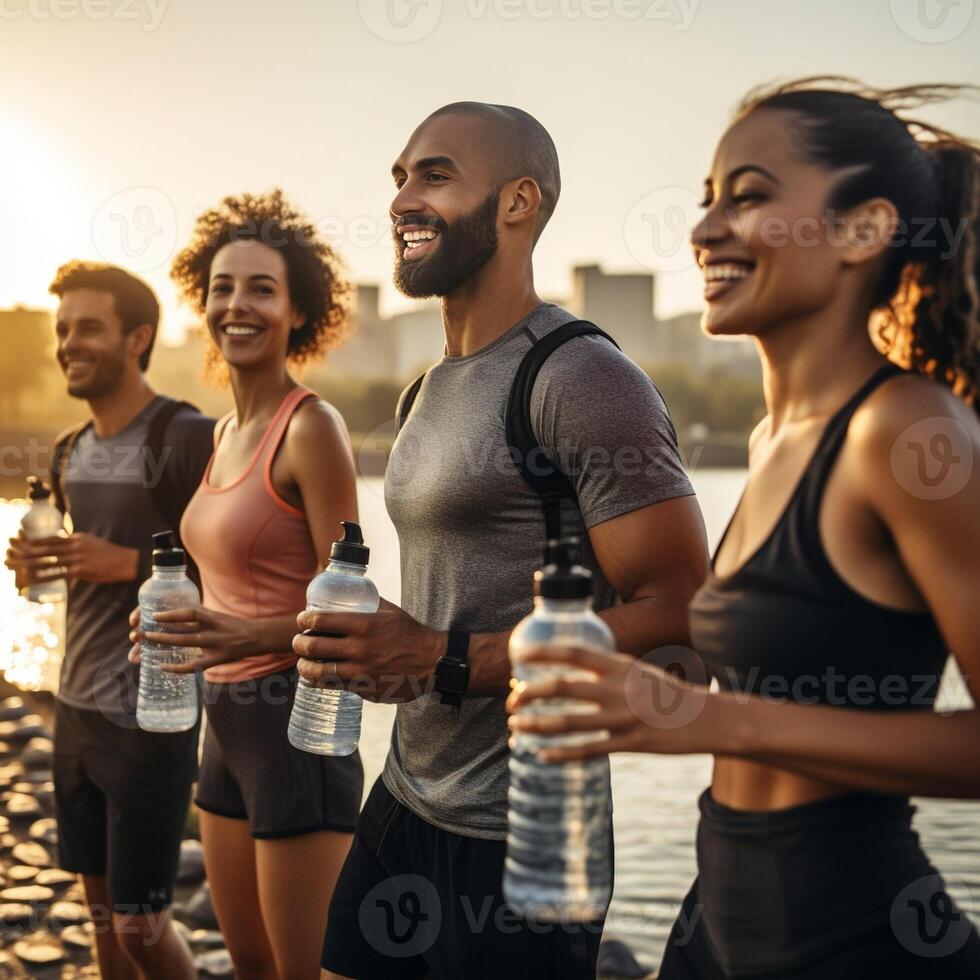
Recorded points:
(846, 240)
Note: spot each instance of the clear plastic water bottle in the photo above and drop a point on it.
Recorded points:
(558, 865)
(43, 520)
(327, 721)
(166, 702)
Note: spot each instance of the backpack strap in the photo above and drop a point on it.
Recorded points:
(530, 458)
(63, 445)
(163, 492)
(405, 408)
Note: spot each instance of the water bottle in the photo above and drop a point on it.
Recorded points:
(327, 721)
(43, 520)
(558, 865)
(166, 702)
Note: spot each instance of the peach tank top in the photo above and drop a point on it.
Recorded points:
(254, 551)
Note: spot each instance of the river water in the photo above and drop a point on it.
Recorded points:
(655, 797)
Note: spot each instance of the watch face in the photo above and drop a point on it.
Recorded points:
(452, 675)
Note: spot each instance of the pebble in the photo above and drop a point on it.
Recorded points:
(23, 807)
(13, 709)
(64, 914)
(207, 939)
(21, 874)
(28, 727)
(7, 841)
(78, 937)
(5, 748)
(15, 913)
(33, 854)
(37, 753)
(39, 948)
(198, 908)
(10, 773)
(4, 825)
(45, 831)
(217, 963)
(190, 868)
(55, 878)
(33, 894)
(37, 776)
(44, 794)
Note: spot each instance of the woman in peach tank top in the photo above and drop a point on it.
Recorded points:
(276, 823)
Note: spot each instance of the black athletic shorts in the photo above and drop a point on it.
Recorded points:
(121, 800)
(249, 771)
(415, 901)
(837, 889)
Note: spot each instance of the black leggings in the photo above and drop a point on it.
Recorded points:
(834, 890)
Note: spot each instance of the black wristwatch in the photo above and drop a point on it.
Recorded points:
(453, 669)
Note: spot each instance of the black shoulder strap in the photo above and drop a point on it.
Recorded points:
(63, 446)
(163, 491)
(405, 409)
(531, 459)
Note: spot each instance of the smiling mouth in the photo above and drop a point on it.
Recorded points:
(721, 278)
(74, 365)
(417, 242)
(240, 330)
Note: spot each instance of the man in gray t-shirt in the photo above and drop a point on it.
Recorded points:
(476, 185)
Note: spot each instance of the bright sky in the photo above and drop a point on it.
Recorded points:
(123, 118)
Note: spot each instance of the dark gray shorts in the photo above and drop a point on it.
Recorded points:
(249, 771)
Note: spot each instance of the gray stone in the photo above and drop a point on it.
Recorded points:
(45, 831)
(32, 894)
(38, 776)
(15, 914)
(30, 726)
(64, 914)
(44, 794)
(78, 937)
(198, 908)
(21, 874)
(33, 854)
(190, 868)
(13, 709)
(37, 753)
(39, 949)
(55, 878)
(23, 807)
(217, 963)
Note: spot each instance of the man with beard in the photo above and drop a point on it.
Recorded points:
(420, 893)
(122, 794)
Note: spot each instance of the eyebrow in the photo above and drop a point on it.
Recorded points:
(749, 168)
(447, 163)
(258, 275)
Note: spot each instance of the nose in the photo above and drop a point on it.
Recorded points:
(406, 201)
(711, 229)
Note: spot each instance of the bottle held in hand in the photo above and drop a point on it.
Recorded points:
(558, 865)
(43, 520)
(166, 702)
(327, 721)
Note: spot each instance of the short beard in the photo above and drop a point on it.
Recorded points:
(105, 379)
(467, 245)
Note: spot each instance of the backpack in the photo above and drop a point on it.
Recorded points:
(530, 458)
(163, 492)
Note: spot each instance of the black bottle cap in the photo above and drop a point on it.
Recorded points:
(37, 489)
(562, 577)
(350, 547)
(166, 554)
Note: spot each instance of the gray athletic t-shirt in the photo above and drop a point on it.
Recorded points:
(106, 496)
(471, 531)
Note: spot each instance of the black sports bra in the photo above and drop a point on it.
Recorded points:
(786, 626)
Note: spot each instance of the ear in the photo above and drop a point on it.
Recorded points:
(139, 339)
(520, 201)
(299, 318)
(869, 230)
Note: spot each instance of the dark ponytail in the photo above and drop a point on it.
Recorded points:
(927, 302)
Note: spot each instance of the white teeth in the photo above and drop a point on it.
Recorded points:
(419, 236)
(725, 271)
(241, 331)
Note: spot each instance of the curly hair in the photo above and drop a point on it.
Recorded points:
(134, 301)
(927, 301)
(317, 285)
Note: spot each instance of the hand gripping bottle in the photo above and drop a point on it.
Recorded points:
(43, 520)
(327, 721)
(166, 702)
(558, 865)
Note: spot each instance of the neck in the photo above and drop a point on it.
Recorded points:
(488, 304)
(259, 390)
(113, 412)
(811, 366)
